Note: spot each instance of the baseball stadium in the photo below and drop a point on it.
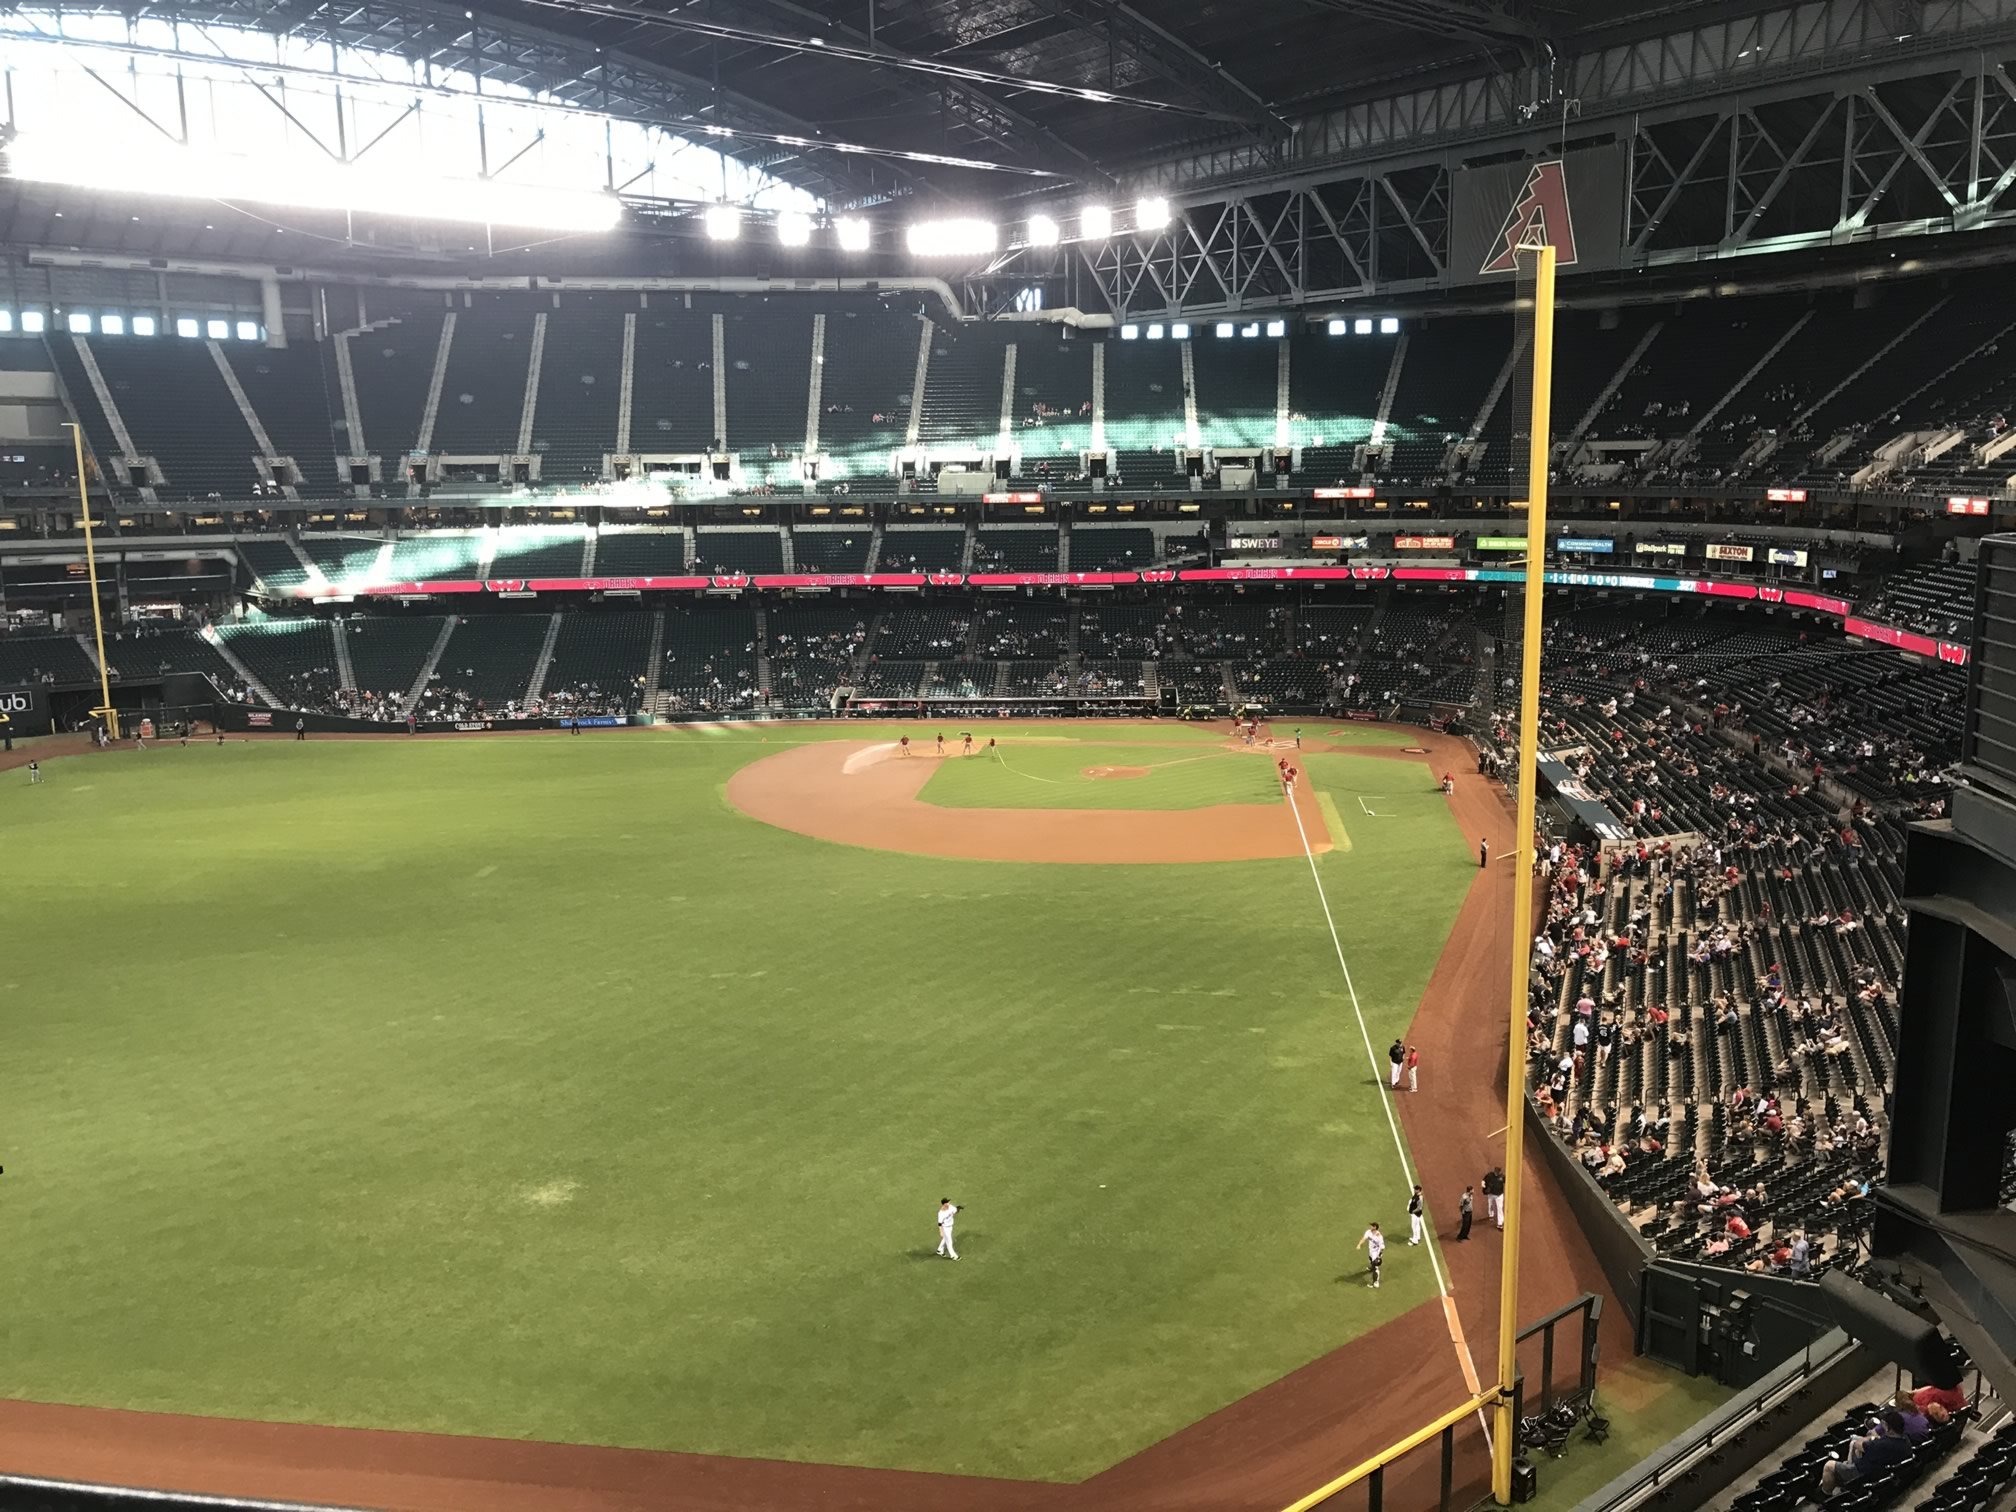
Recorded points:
(1032, 756)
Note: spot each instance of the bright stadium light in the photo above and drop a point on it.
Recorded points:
(1277, 328)
(168, 168)
(853, 233)
(794, 228)
(723, 222)
(78, 323)
(1043, 231)
(1179, 332)
(1389, 326)
(144, 325)
(1155, 332)
(1362, 326)
(1095, 222)
(33, 322)
(1151, 214)
(1338, 327)
(1130, 333)
(188, 326)
(1223, 329)
(1252, 329)
(953, 238)
(112, 325)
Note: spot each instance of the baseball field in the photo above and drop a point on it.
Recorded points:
(600, 1090)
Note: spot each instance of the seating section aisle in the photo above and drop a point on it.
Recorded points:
(1236, 384)
(962, 392)
(1144, 410)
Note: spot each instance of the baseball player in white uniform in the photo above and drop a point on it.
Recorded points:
(947, 1211)
(1374, 1244)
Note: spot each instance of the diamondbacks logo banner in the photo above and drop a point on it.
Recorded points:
(1574, 202)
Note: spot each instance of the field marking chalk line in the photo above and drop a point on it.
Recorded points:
(1464, 1361)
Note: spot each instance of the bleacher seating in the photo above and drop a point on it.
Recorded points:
(871, 356)
(640, 553)
(1450, 367)
(178, 411)
(672, 382)
(487, 666)
(710, 658)
(580, 388)
(151, 652)
(386, 655)
(532, 553)
(393, 365)
(1333, 398)
(1144, 410)
(1112, 548)
(274, 567)
(921, 550)
(343, 559)
(1236, 384)
(294, 658)
(962, 390)
(838, 549)
(769, 350)
(284, 386)
(600, 662)
(1053, 399)
(483, 387)
(718, 551)
(812, 650)
(1016, 548)
(435, 557)
(44, 658)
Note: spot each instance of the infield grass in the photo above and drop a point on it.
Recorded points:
(521, 1087)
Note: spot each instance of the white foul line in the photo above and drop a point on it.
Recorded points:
(1385, 1101)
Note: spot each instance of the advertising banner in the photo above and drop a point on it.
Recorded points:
(1661, 548)
(1339, 543)
(1584, 543)
(1785, 556)
(1427, 543)
(1501, 543)
(1574, 201)
(1785, 496)
(1355, 491)
(25, 707)
(1716, 551)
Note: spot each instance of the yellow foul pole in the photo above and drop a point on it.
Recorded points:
(109, 714)
(1504, 1427)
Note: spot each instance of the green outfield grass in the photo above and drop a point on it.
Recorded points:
(522, 1087)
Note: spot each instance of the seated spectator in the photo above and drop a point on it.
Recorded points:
(1886, 1446)
(1952, 1398)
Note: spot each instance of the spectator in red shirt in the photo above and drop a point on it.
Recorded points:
(1952, 1398)
(1737, 1228)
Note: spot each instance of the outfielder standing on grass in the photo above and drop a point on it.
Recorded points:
(947, 1211)
(1414, 1215)
(1374, 1244)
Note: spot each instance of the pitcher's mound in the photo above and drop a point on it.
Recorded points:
(1116, 771)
